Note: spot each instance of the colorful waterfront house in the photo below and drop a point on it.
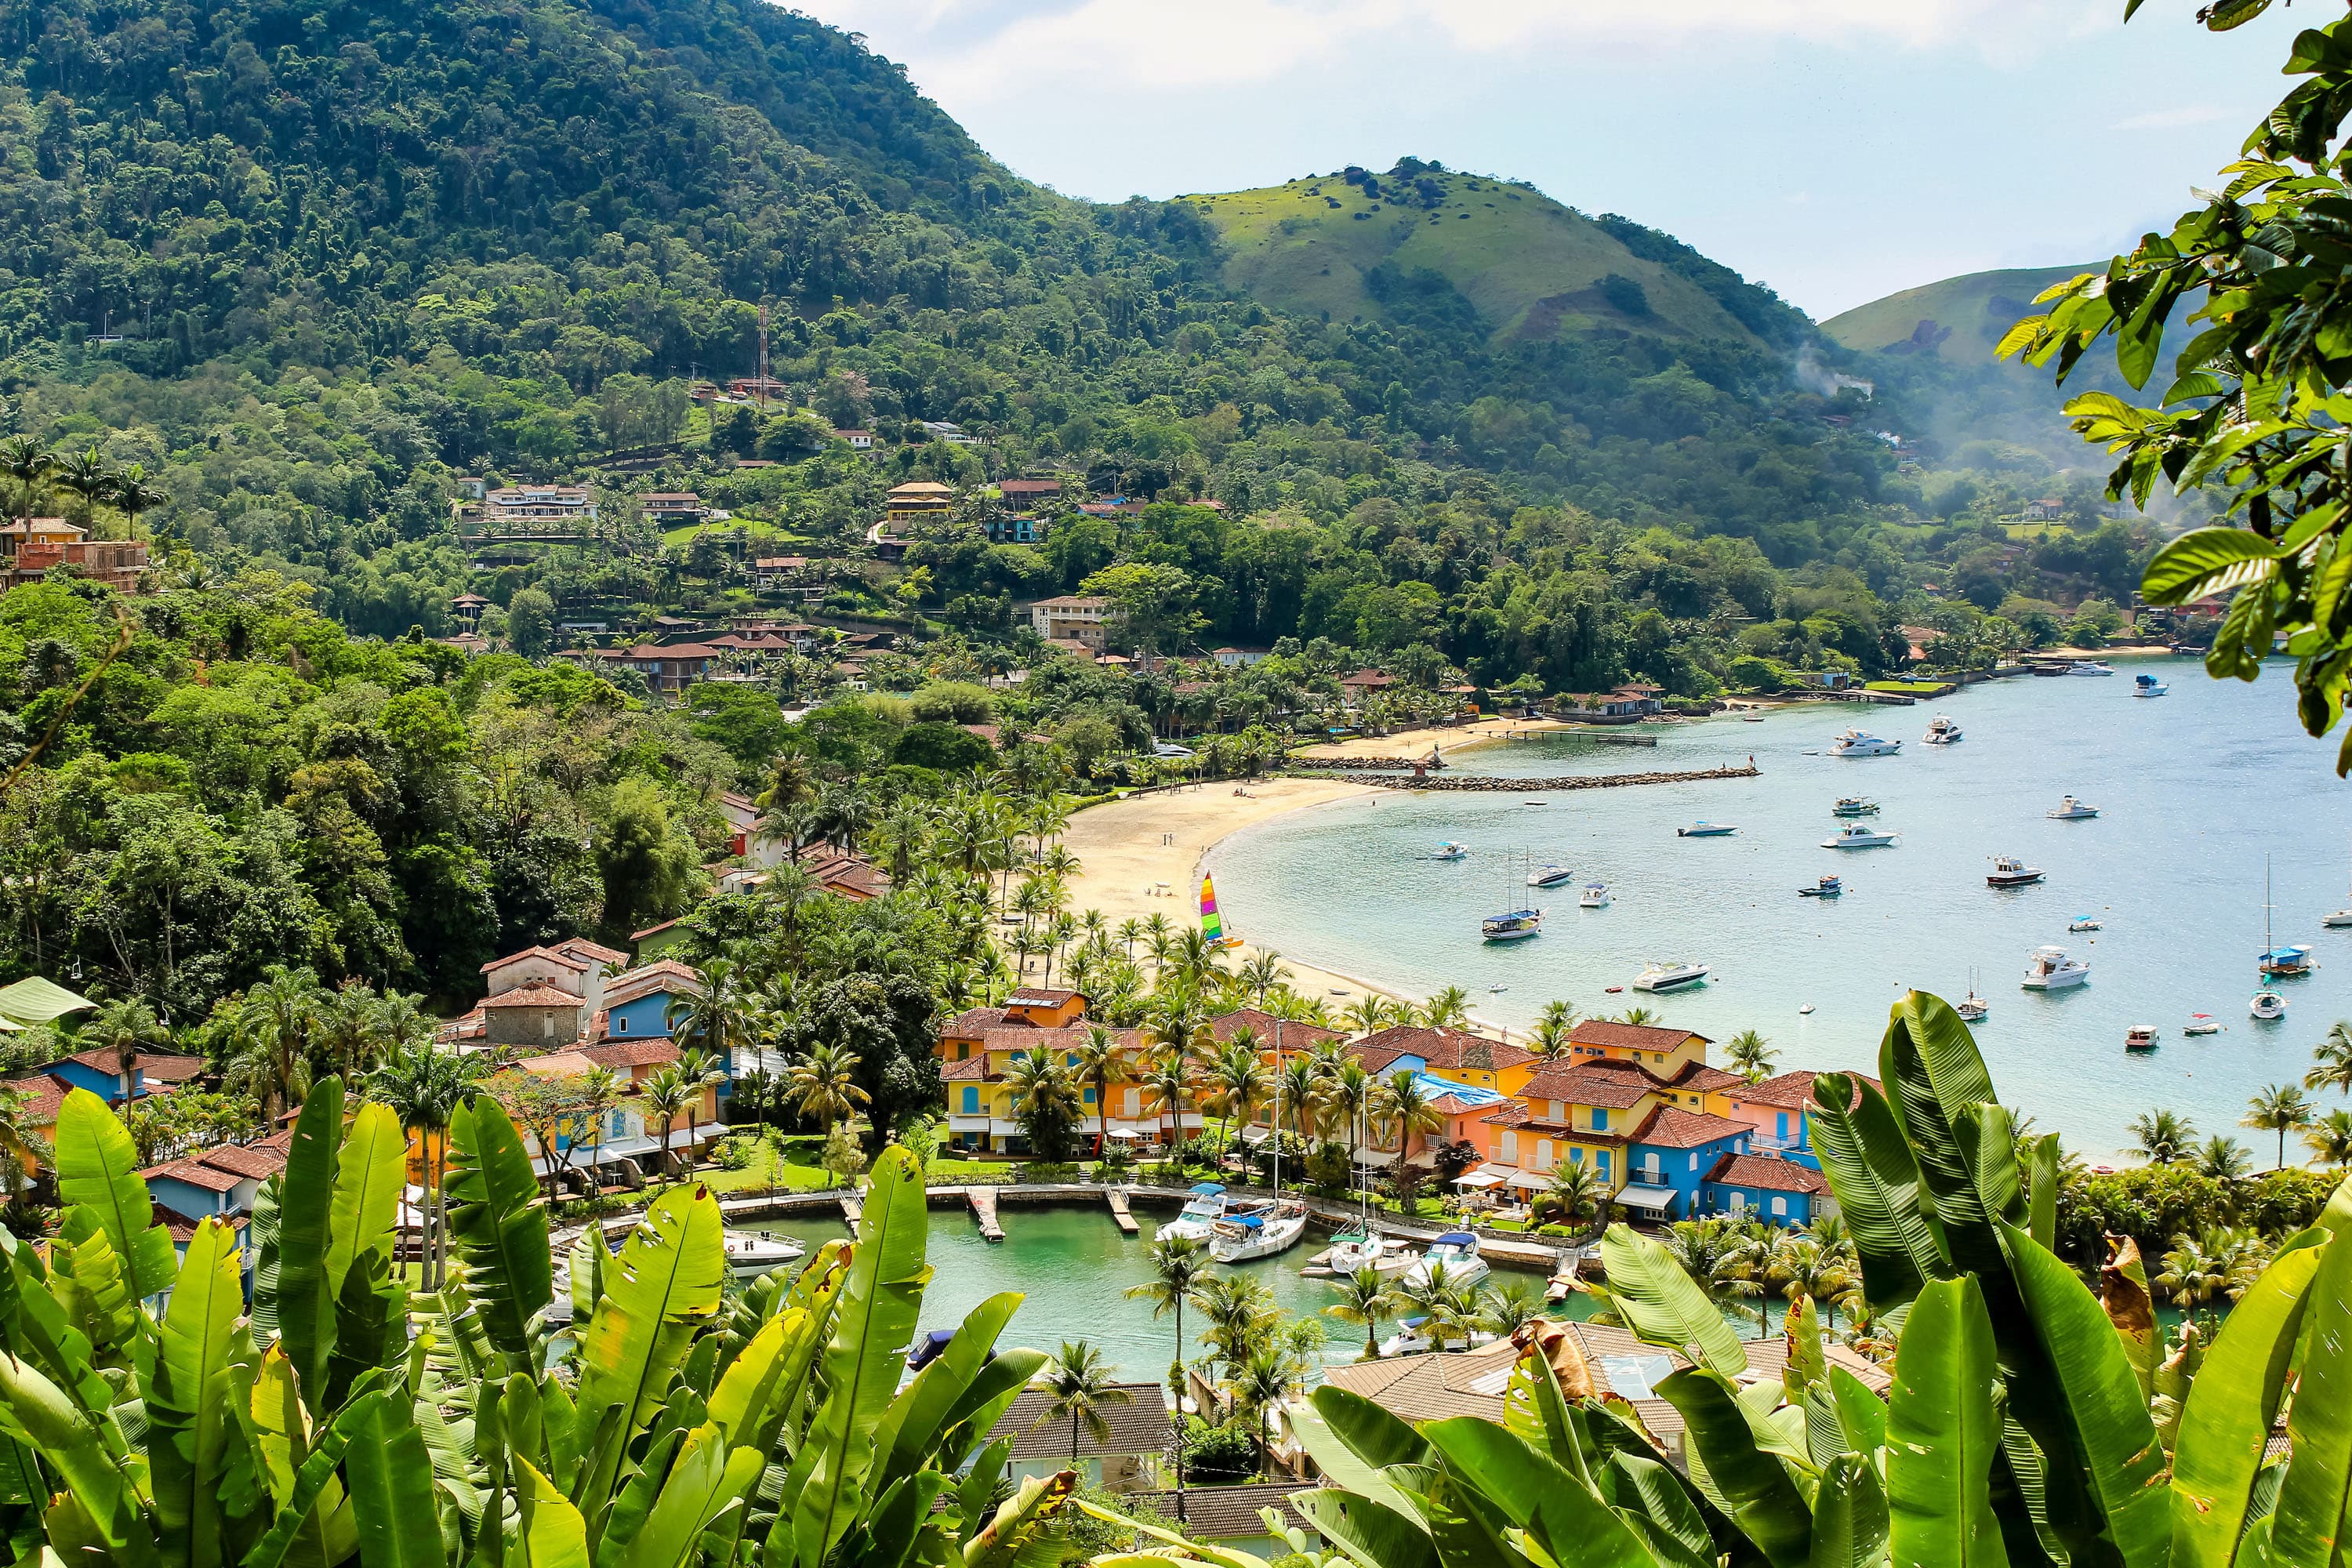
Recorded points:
(101, 1073)
(977, 1048)
(1581, 1114)
(215, 1182)
(1782, 1190)
(1781, 1110)
(1664, 1052)
(1668, 1158)
(1127, 1457)
(637, 1002)
(1456, 1056)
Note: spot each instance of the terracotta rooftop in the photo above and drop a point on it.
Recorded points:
(1444, 1049)
(1630, 1037)
(1703, 1078)
(1792, 1090)
(580, 946)
(170, 1068)
(1297, 1035)
(1139, 1427)
(1671, 1127)
(196, 1173)
(1037, 996)
(1586, 1086)
(619, 1053)
(1771, 1176)
(1225, 1513)
(568, 959)
(972, 1069)
(533, 996)
(252, 1160)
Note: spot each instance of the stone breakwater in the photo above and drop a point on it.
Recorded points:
(1573, 780)
(1362, 764)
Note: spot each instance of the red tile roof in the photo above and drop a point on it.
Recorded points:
(618, 1054)
(1792, 1090)
(972, 1069)
(565, 959)
(1590, 1086)
(972, 1023)
(44, 1093)
(647, 978)
(196, 1173)
(1769, 1175)
(170, 1068)
(1700, 1077)
(1038, 997)
(1671, 1127)
(1449, 1050)
(534, 997)
(1297, 1035)
(580, 946)
(1630, 1037)
(255, 1160)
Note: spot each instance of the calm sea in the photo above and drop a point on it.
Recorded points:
(2197, 792)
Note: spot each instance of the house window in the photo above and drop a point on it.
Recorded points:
(1600, 1162)
(1651, 1170)
(1737, 1202)
(1780, 1207)
(1575, 1155)
(970, 1102)
(1510, 1148)
(621, 1025)
(1088, 1097)
(1600, 1119)
(1543, 1154)
(1693, 1163)
(547, 1024)
(1555, 1114)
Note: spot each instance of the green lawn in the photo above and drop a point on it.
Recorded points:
(752, 526)
(1906, 687)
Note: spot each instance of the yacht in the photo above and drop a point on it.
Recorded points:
(1854, 836)
(1412, 1338)
(1206, 1207)
(1594, 897)
(2085, 923)
(1457, 1253)
(1669, 976)
(2009, 871)
(1551, 877)
(2341, 918)
(1254, 1236)
(1827, 887)
(1706, 829)
(2071, 810)
(1861, 743)
(2051, 970)
(2287, 960)
(2148, 686)
(1855, 805)
(1943, 732)
(2267, 1005)
(2140, 1037)
(2201, 1023)
(1358, 1247)
(749, 1253)
(1517, 926)
(1449, 850)
(2089, 666)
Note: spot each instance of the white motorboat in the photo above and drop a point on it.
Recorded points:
(1357, 1247)
(1594, 897)
(2051, 969)
(1669, 976)
(2071, 810)
(1943, 732)
(2201, 1023)
(2340, 918)
(1449, 850)
(1201, 1213)
(1862, 743)
(2140, 1037)
(2148, 686)
(1254, 1236)
(1412, 1338)
(749, 1253)
(1706, 829)
(1826, 888)
(2009, 871)
(2089, 666)
(1517, 926)
(1854, 836)
(2267, 1005)
(2085, 923)
(1456, 1252)
(1551, 877)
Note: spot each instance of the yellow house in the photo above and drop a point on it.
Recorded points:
(1584, 1114)
(1456, 1056)
(921, 498)
(1664, 1052)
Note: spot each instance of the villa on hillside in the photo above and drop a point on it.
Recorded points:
(1082, 618)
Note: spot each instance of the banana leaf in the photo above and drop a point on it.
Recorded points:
(897, 1521)
(1755, 1488)
(311, 1491)
(909, 1429)
(1875, 1179)
(73, 1443)
(2042, 1189)
(875, 1317)
(2123, 1296)
(305, 1305)
(498, 1223)
(551, 1533)
(1988, 1141)
(1017, 1537)
(706, 1482)
(2225, 1422)
(261, 1240)
(188, 1420)
(1862, 1414)
(37, 1329)
(370, 1172)
(1358, 1445)
(1370, 1533)
(98, 1169)
(1224, 1557)
(2307, 1523)
(1942, 1433)
(1850, 1522)
(664, 1286)
(1934, 1076)
(2109, 1408)
(1565, 1516)
(92, 1288)
(389, 1477)
(1661, 1304)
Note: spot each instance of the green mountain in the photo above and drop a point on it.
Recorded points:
(1355, 247)
(1958, 318)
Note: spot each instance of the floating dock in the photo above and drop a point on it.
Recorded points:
(983, 1209)
(1124, 1220)
(853, 1208)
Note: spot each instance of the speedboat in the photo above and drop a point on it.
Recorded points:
(2085, 923)
(2148, 686)
(1457, 1253)
(2140, 1037)
(749, 1253)
(1854, 836)
(1206, 1207)
(1706, 829)
(2071, 810)
(2009, 871)
(2267, 1005)
(1855, 805)
(1827, 887)
(1669, 976)
(1861, 743)
(2050, 969)
(1413, 1338)
(1943, 732)
(1551, 877)
(2287, 960)
(1255, 1235)
(2201, 1023)
(1517, 926)
(2340, 918)
(1594, 897)
(1449, 850)
(1357, 1247)
(2089, 666)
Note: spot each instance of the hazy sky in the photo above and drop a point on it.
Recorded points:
(1837, 150)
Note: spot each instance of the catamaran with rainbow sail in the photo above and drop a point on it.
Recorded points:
(1212, 927)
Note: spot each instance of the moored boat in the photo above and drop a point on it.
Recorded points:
(2148, 686)
(749, 1253)
(1669, 976)
(2089, 666)
(1827, 887)
(1254, 1235)
(2085, 923)
(2052, 969)
(1517, 926)
(1202, 1211)
(1357, 1246)
(1855, 805)
(1449, 851)
(2287, 960)
(1594, 897)
(1862, 743)
(2140, 1037)
(1943, 732)
(1854, 836)
(1972, 1009)
(1456, 1252)
(1550, 877)
(2267, 1005)
(2071, 810)
(1706, 829)
(2009, 871)
(2201, 1023)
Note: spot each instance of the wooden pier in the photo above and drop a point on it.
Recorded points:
(853, 1208)
(983, 1209)
(1493, 784)
(1125, 1221)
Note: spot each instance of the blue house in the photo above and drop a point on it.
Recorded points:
(1782, 1191)
(1014, 530)
(638, 1004)
(1668, 1157)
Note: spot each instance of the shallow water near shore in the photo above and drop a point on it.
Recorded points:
(2195, 789)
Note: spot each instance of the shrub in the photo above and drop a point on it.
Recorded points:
(1216, 1455)
(734, 1153)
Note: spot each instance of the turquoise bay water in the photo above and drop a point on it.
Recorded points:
(2195, 790)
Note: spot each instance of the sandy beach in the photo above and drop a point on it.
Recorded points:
(1452, 738)
(1141, 857)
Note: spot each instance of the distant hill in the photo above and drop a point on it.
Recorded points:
(1960, 319)
(1422, 241)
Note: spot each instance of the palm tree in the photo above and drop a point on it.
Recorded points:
(118, 1029)
(2226, 1160)
(1081, 1384)
(2330, 1140)
(1449, 1009)
(1366, 1015)
(26, 460)
(425, 1087)
(1576, 1193)
(824, 1084)
(2280, 1109)
(1102, 1059)
(1750, 1056)
(2160, 1137)
(1261, 974)
(1504, 1312)
(1045, 1101)
(132, 494)
(1405, 1105)
(1298, 1084)
(1129, 930)
(1364, 1298)
(666, 1094)
(1165, 1088)
(2220, 1260)
(1238, 1081)
(1643, 1015)
(2331, 1060)
(715, 1015)
(1259, 1385)
(87, 475)
(700, 1071)
(1179, 1264)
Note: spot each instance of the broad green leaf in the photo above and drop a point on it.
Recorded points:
(879, 1307)
(2042, 1189)
(2207, 561)
(1871, 1173)
(391, 1479)
(1943, 1434)
(915, 1419)
(306, 1307)
(1665, 1508)
(1663, 1305)
(552, 1533)
(665, 1284)
(1934, 1075)
(1020, 1522)
(37, 1411)
(1222, 1556)
(1850, 1522)
(188, 1417)
(1862, 1414)
(498, 1223)
(2108, 1406)
(1566, 1517)
(1755, 1488)
(92, 1288)
(705, 1482)
(98, 1169)
(2308, 1520)
(369, 1175)
(2226, 1421)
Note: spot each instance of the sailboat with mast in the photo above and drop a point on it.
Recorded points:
(1357, 1245)
(1514, 925)
(2266, 1004)
(1213, 925)
(1244, 1238)
(2340, 918)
